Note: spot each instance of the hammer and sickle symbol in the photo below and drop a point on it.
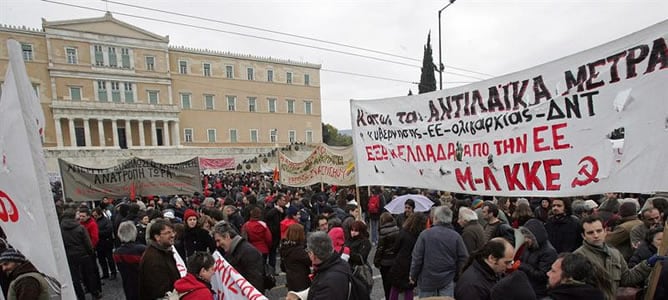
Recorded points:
(588, 169)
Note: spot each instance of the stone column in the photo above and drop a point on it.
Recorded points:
(165, 133)
(114, 131)
(128, 132)
(142, 138)
(59, 133)
(154, 135)
(100, 132)
(86, 124)
(73, 135)
(177, 134)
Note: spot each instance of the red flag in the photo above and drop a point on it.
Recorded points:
(133, 191)
(277, 174)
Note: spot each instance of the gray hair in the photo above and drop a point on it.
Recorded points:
(224, 228)
(127, 232)
(442, 215)
(320, 245)
(467, 215)
(208, 200)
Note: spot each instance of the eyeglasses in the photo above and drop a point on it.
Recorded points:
(168, 232)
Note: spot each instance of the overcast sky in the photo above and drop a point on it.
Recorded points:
(492, 37)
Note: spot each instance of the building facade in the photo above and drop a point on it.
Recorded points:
(105, 85)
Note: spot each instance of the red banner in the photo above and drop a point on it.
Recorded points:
(216, 163)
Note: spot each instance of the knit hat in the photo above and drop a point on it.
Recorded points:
(12, 254)
(189, 213)
(627, 209)
(291, 211)
(477, 203)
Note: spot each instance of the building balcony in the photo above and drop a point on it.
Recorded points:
(61, 108)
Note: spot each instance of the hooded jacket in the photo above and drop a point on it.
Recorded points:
(330, 280)
(296, 264)
(196, 289)
(537, 259)
(258, 235)
(157, 272)
(384, 256)
(75, 239)
(247, 260)
(26, 288)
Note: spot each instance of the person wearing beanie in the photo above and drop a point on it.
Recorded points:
(291, 217)
(620, 237)
(195, 238)
(26, 283)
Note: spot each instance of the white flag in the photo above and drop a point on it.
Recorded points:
(180, 265)
(27, 212)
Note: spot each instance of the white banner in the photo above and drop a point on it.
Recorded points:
(180, 265)
(545, 131)
(227, 283)
(26, 202)
(331, 165)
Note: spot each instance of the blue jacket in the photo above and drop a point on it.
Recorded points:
(438, 256)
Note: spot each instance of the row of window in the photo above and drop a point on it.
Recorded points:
(229, 72)
(107, 56)
(209, 104)
(188, 134)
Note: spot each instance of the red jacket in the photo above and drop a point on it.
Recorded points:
(258, 235)
(285, 224)
(195, 288)
(93, 231)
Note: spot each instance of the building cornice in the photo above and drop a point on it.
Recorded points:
(228, 54)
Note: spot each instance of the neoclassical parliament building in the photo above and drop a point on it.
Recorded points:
(110, 90)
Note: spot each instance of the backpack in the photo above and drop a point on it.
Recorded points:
(364, 274)
(373, 207)
(359, 289)
(48, 284)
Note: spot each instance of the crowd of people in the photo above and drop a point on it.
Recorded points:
(465, 247)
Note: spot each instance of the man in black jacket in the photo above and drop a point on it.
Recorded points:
(563, 229)
(331, 272)
(157, 268)
(79, 251)
(243, 256)
(273, 218)
(105, 246)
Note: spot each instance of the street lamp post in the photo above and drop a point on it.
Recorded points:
(440, 58)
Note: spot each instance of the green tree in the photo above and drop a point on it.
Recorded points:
(427, 79)
(332, 137)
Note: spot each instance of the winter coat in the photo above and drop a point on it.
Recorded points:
(473, 236)
(438, 256)
(643, 252)
(105, 230)
(563, 231)
(575, 291)
(26, 288)
(196, 289)
(127, 258)
(385, 255)
(273, 218)
(93, 232)
(612, 261)
(476, 282)
(537, 260)
(541, 213)
(360, 247)
(296, 264)
(401, 268)
(620, 238)
(157, 272)
(75, 239)
(195, 239)
(330, 280)
(247, 260)
(257, 233)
